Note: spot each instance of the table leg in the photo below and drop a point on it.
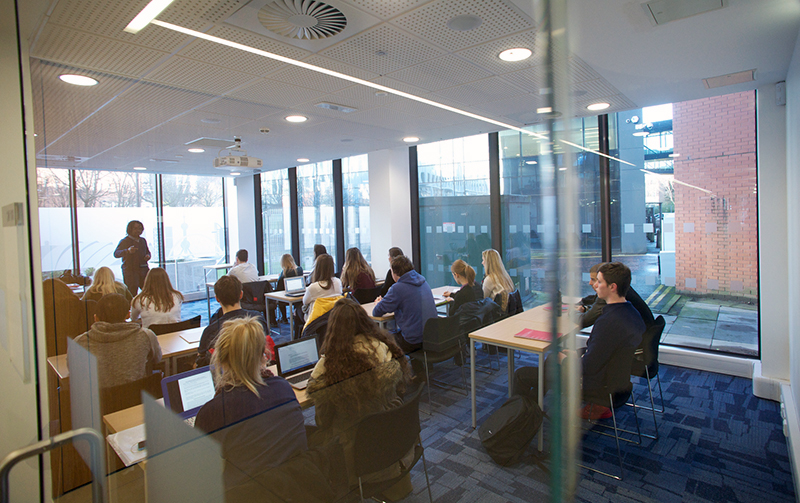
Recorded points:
(266, 315)
(472, 379)
(540, 389)
(291, 320)
(510, 353)
(208, 302)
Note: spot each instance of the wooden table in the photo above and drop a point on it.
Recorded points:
(384, 320)
(502, 334)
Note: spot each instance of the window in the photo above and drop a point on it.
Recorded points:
(355, 194)
(276, 218)
(55, 235)
(315, 206)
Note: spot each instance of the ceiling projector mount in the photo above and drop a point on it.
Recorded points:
(237, 158)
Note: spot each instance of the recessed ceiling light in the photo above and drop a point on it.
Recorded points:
(302, 159)
(598, 106)
(139, 168)
(296, 118)
(531, 162)
(464, 22)
(544, 110)
(410, 139)
(517, 54)
(196, 150)
(235, 173)
(78, 80)
(153, 9)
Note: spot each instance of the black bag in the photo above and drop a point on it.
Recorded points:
(509, 430)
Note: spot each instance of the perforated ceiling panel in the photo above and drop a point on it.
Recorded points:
(440, 73)
(150, 92)
(363, 96)
(338, 66)
(508, 106)
(430, 22)
(481, 91)
(231, 58)
(422, 110)
(211, 120)
(486, 55)
(384, 9)
(212, 11)
(239, 108)
(193, 74)
(382, 50)
(392, 119)
(296, 76)
(270, 92)
(252, 40)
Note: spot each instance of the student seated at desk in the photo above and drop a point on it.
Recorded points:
(323, 283)
(158, 302)
(228, 292)
(288, 270)
(497, 281)
(254, 414)
(104, 283)
(361, 372)
(619, 326)
(464, 275)
(591, 307)
(319, 250)
(242, 269)
(411, 301)
(356, 272)
(389, 281)
(125, 351)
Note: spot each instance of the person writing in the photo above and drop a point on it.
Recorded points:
(242, 269)
(356, 272)
(159, 302)
(497, 281)
(464, 275)
(133, 251)
(104, 283)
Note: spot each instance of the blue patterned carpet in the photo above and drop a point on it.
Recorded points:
(718, 443)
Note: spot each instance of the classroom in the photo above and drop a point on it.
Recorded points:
(655, 134)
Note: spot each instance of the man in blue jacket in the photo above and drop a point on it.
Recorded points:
(411, 301)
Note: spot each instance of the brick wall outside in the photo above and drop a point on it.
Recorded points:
(716, 140)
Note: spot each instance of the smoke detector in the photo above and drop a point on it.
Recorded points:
(302, 19)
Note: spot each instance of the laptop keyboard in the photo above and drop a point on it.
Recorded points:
(295, 294)
(298, 378)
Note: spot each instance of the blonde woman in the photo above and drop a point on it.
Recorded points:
(497, 281)
(254, 414)
(158, 302)
(104, 283)
(356, 272)
(288, 270)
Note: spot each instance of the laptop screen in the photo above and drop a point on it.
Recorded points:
(295, 284)
(187, 392)
(297, 356)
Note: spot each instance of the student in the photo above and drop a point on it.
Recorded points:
(389, 281)
(497, 281)
(361, 371)
(319, 250)
(228, 292)
(254, 415)
(411, 301)
(244, 271)
(104, 283)
(323, 283)
(159, 302)
(589, 315)
(133, 251)
(288, 270)
(619, 326)
(125, 351)
(356, 272)
(464, 275)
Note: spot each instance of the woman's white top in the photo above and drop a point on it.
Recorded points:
(315, 291)
(150, 316)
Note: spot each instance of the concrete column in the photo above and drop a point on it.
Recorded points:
(246, 211)
(389, 205)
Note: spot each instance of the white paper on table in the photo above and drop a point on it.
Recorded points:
(125, 444)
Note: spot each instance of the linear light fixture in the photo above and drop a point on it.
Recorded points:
(147, 15)
(373, 85)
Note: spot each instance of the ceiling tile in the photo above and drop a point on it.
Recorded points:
(203, 77)
(440, 73)
(278, 94)
(481, 91)
(386, 10)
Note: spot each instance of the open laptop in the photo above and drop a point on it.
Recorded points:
(296, 360)
(187, 392)
(295, 286)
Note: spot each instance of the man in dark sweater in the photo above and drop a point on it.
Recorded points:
(228, 292)
(389, 281)
(591, 307)
(619, 326)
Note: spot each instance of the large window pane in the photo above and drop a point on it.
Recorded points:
(315, 205)
(54, 220)
(194, 233)
(107, 201)
(276, 217)
(355, 193)
(453, 205)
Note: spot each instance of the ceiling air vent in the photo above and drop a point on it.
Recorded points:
(302, 19)
(664, 11)
(335, 107)
(730, 79)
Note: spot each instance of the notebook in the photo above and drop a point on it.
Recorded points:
(187, 392)
(296, 359)
(295, 286)
(538, 335)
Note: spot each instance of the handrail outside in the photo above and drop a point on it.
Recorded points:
(96, 464)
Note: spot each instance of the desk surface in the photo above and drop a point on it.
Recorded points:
(282, 297)
(218, 266)
(437, 292)
(502, 332)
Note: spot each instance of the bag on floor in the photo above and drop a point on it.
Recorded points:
(509, 430)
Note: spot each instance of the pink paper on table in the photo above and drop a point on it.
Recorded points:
(564, 307)
(538, 335)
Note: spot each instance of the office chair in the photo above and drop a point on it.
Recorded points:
(645, 365)
(167, 328)
(442, 339)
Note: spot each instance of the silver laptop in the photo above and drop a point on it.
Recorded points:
(296, 360)
(187, 392)
(295, 286)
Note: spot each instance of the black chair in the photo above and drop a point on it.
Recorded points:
(384, 438)
(254, 300)
(442, 339)
(476, 315)
(645, 365)
(366, 295)
(166, 328)
(614, 394)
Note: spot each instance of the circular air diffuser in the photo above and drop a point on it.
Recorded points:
(303, 19)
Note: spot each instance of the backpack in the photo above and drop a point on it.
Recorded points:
(509, 430)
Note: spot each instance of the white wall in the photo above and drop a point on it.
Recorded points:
(389, 205)
(774, 257)
(245, 205)
(793, 212)
(18, 350)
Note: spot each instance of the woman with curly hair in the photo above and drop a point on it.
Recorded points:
(104, 283)
(356, 272)
(362, 371)
(158, 302)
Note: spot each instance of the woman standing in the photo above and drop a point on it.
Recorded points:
(464, 275)
(323, 283)
(104, 283)
(356, 273)
(133, 251)
(159, 302)
(497, 281)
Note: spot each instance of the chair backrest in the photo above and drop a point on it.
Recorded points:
(650, 343)
(367, 295)
(253, 295)
(477, 314)
(514, 303)
(441, 334)
(127, 395)
(166, 328)
(383, 438)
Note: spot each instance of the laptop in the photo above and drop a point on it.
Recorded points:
(295, 286)
(187, 392)
(296, 360)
